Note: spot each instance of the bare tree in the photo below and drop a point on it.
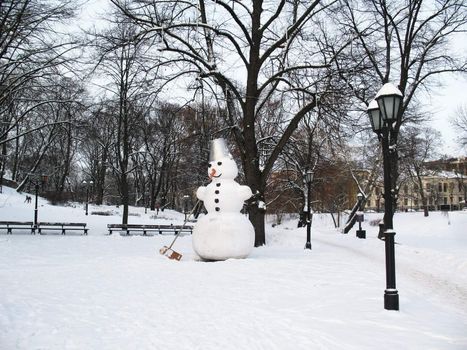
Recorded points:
(31, 52)
(122, 61)
(162, 131)
(459, 122)
(270, 46)
(403, 41)
(418, 146)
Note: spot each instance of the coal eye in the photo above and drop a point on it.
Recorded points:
(219, 163)
(209, 165)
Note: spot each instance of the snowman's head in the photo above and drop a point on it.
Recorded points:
(222, 168)
(221, 163)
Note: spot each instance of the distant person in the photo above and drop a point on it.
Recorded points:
(158, 206)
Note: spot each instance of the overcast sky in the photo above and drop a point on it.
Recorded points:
(442, 102)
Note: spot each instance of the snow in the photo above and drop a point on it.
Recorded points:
(223, 236)
(373, 105)
(388, 89)
(114, 292)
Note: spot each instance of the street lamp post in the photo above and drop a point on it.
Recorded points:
(360, 233)
(37, 180)
(87, 184)
(308, 178)
(36, 195)
(385, 113)
(186, 199)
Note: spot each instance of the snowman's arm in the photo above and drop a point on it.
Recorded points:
(245, 192)
(201, 192)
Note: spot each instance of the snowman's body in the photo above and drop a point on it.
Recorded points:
(224, 232)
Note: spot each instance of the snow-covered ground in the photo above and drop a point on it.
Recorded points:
(112, 292)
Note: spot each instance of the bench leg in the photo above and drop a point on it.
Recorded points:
(85, 231)
(8, 230)
(63, 231)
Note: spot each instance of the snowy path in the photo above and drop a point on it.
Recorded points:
(430, 281)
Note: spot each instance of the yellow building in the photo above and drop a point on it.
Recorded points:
(443, 190)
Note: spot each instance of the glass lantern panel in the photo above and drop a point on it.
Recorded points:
(389, 106)
(375, 119)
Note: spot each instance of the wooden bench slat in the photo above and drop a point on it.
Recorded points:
(67, 224)
(17, 225)
(63, 226)
(149, 227)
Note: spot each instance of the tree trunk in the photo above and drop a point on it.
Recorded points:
(256, 216)
(425, 206)
(352, 219)
(2, 164)
(100, 177)
(125, 198)
(14, 171)
(422, 196)
(67, 161)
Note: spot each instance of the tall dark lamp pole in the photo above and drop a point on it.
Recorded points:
(360, 233)
(36, 194)
(37, 180)
(186, 198)
(385, 117)
(87, 184)
(308, 178)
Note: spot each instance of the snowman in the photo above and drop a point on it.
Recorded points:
(224, 232)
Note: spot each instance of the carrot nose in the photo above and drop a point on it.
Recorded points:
(213, 172)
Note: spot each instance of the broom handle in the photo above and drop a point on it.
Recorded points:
(184, 223)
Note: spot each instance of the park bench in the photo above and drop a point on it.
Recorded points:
(147, 229)
(62, 226)
(17, 225)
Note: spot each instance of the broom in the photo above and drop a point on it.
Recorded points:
(168, 251)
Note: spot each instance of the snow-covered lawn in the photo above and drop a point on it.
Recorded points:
(112, 292)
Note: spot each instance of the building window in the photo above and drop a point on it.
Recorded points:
(415, 202)
(440, 187)
(460, 186)
(406, 189)
(445, 200)
(406, 201)
(445, 187)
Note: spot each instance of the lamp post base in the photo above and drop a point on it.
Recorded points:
(391, 299)
(308, 245)
(361, 234)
